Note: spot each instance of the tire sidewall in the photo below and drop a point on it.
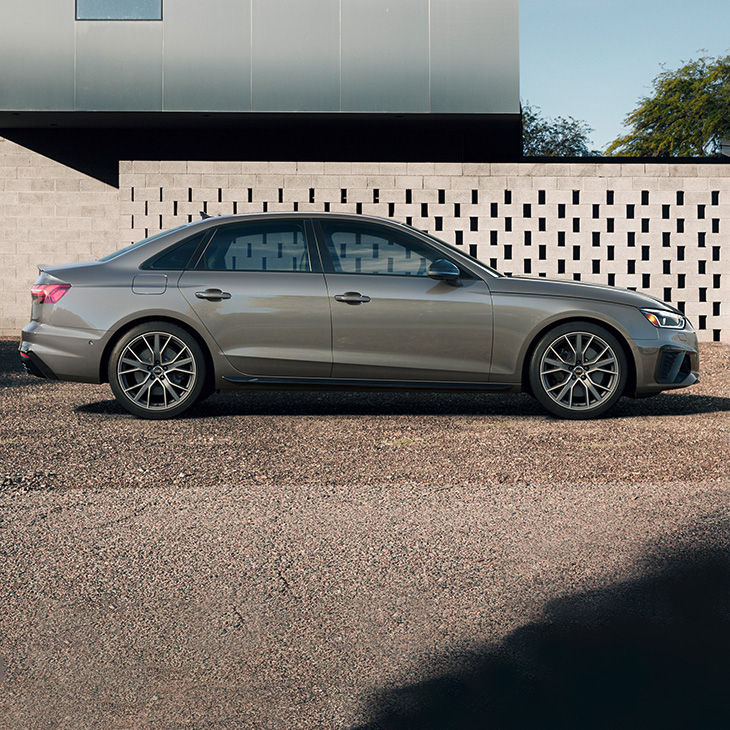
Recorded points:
(536, 382)
(160, 326)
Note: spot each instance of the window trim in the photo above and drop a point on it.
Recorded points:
(315, 265)
(329, 265)
(119, 20)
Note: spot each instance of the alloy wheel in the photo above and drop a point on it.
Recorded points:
(579, 371)
(157, 371)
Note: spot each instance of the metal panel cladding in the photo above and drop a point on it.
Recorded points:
(361, 56)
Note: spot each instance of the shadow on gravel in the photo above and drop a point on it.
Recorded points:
(292, 403)
(650, 653)
(12, 372)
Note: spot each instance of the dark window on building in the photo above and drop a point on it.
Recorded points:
(701, 239)
(645, 281)
(541, 224)
(576, 253)
(561, 266)
(665, 211)
(681, 281)
(494, 210)
(612, 279)
(666, 238)
(257, 247)
(493, 238)
(561, 238)
(474, 197)
(702, 266)
(576, 197)
(541, 197)
(596, 210)
(528, 266)
(610, 253)
(715, 225)
(645, 197)
(680, 197)
(645, 225)
(596, 238)
(457, 210)
(508, 224)
(631, 239)
(507, 197)
(576, 225)
(474, 223)
(715, 253)
(666, 267)
(596, 264)
(645, 253)
(610, 225)
(459, 238)
(680, 253)
(700, 211)
(680, 225)
(526, 210)
(715, 197)
(542, 252)
(561, 210)
(118, 9)
(631, 266)
(507, 251)
(528, 238)
(630, 211)
(609, 197)
(441, 194)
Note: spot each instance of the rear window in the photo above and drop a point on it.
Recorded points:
(176, 257)
(113, 255)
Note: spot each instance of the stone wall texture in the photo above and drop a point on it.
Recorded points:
(662, 228)
(49, 214)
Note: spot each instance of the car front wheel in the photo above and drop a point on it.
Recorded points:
(157, 370)
(578, 370)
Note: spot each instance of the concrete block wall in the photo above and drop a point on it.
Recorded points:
(49, 214)
(662, 228)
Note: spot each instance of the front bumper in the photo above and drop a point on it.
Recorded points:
(671, 363)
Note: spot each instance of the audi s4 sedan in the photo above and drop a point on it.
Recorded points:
(295, 300)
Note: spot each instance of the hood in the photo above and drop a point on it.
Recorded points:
(576, 290)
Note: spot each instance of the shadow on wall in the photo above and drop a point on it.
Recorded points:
(650, 653)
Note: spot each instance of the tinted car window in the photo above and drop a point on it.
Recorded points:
(361, 249)
(257, 247)
(176, 257)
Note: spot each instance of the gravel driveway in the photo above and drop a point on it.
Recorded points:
(292, 560)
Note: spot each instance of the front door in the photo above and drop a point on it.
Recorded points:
(261, 295)
(390, 320)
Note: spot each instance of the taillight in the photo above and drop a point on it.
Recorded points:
(48, 292)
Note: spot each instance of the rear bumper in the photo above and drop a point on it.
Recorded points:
(61, 353)
(34, 365)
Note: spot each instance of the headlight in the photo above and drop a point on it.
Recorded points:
(663, 318)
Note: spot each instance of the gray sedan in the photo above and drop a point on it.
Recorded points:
(341, 301)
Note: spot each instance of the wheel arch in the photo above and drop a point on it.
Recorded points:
(620, 336)
(124, 328)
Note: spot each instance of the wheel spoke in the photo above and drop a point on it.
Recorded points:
(590, 388)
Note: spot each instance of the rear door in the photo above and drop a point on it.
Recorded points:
(258, 288)
(390, 320)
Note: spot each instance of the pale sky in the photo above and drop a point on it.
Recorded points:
(594, 59)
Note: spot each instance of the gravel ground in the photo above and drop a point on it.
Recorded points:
(292, 560)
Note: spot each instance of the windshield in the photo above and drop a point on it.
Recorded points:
(113, 255)
(482, 265)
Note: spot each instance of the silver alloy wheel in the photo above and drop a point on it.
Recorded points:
(579, 371)
(156, 371)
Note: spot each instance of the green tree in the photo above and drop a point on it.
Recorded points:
(560, 137)
(687, 113)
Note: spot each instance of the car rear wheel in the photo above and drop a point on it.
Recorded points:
(157, 370)
(578, 370)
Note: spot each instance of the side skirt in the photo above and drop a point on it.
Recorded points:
(262, 383)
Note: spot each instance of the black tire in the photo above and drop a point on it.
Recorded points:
(157, 370)
(578, 370)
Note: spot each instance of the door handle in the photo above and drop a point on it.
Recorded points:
(212, 295)
(352, 297)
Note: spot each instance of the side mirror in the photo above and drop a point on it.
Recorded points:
(443, 270)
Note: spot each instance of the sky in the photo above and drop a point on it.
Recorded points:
(594, 59)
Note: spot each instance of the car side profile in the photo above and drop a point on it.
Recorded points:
(319, 300)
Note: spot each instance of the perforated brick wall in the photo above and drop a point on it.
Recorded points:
(661, 228)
